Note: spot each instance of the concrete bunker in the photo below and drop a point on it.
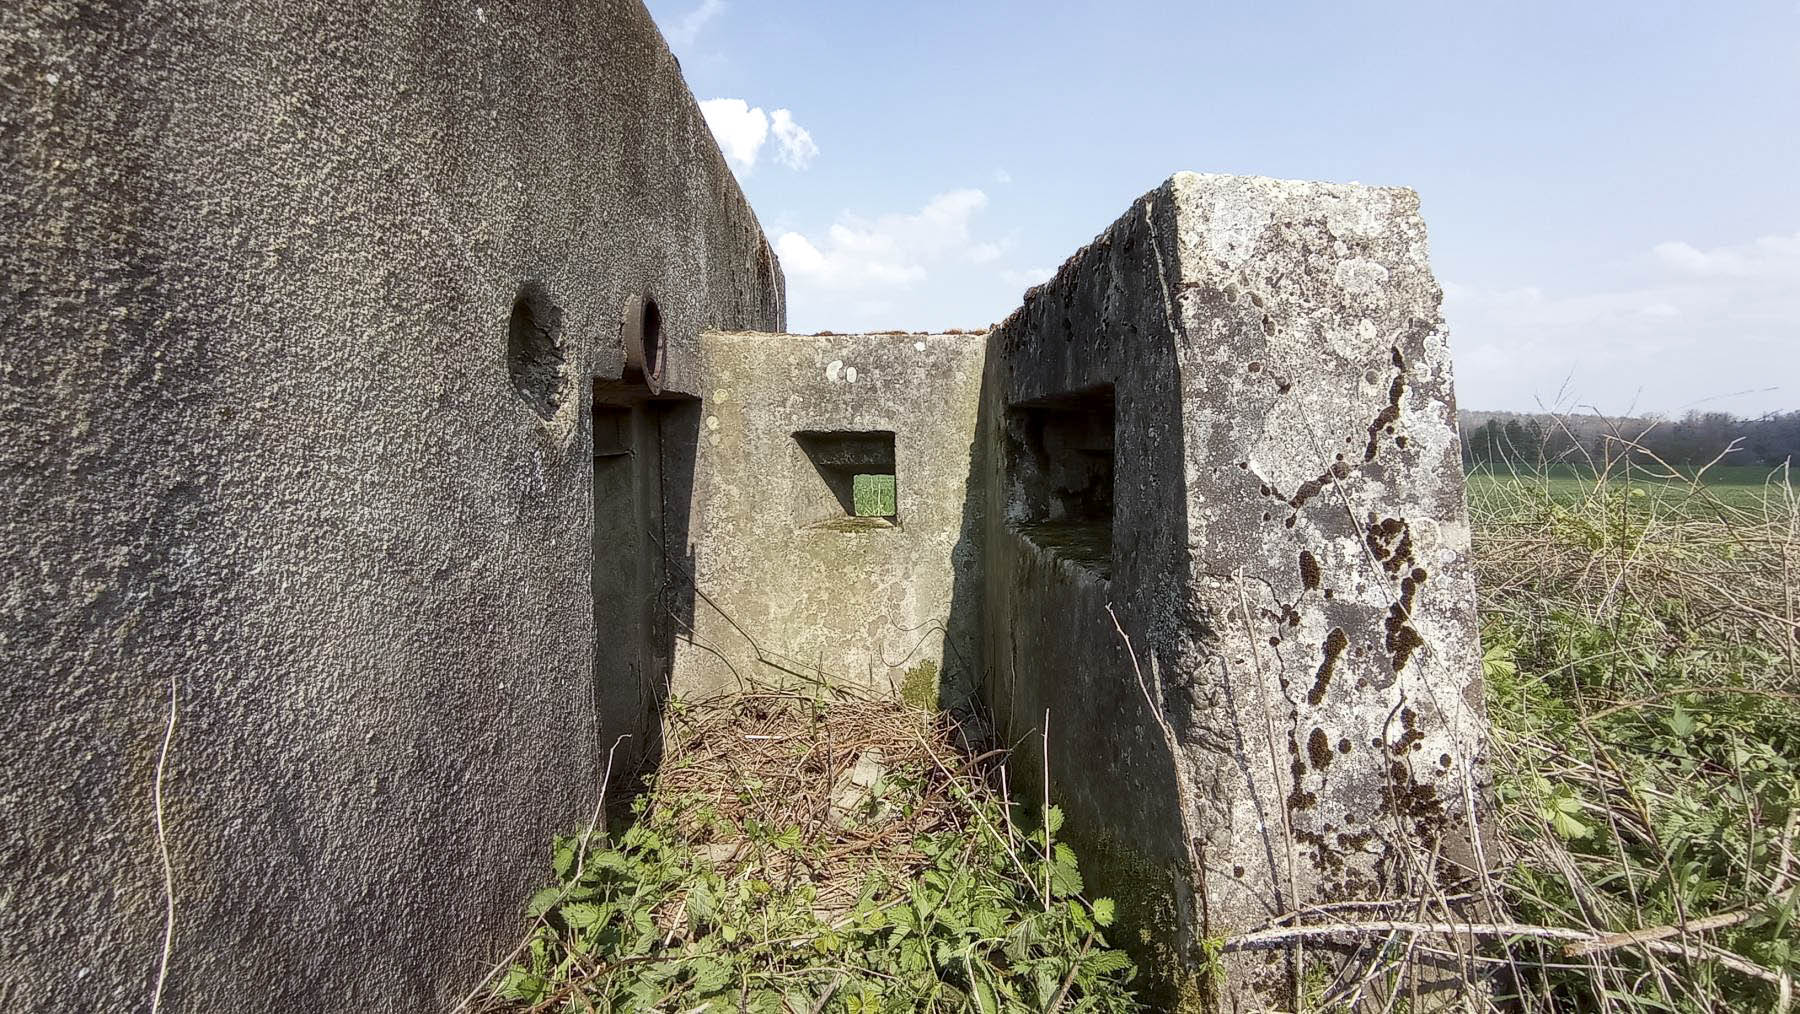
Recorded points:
(377, 707)
(1077, 532)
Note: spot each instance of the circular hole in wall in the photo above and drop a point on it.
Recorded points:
(534, 349)
(652, 331)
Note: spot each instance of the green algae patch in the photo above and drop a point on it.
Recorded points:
(919, 687)
(1149, 921)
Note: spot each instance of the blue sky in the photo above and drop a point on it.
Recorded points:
(1613, 190)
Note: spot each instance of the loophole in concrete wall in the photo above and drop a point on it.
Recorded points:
(1059, 459)
(640, 342)
(534, 349)
(853, 472)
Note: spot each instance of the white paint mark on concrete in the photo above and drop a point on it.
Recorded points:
(832, 369)
(712, 422)
(920, 346)
(722, 395)
(850, 374)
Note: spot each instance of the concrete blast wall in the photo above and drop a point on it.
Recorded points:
(284, 430)
(793, 584)
(1228, 426)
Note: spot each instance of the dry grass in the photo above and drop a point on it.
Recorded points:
(735, 766)
(811, 852)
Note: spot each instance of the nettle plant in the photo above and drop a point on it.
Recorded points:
(994, 922)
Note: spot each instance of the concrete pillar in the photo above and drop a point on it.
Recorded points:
(1298, 719)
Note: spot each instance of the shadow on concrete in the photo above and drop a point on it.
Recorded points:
(842, 458)
(1079, 513)
(963, 672)
(644, 456)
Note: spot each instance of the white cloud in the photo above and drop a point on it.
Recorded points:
(1002, 176)
(688, 28)
(798, 255)
(914, 269)
(1692, 324)
(1027, 277)
(1768, 257)
(742, 129)
(797, 147)
(985, 253)
(891, 251)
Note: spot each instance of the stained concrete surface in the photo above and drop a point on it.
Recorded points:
(262, 441)
(790, 584)
(1289, 560)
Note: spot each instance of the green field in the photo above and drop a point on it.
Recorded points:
(1748, 486)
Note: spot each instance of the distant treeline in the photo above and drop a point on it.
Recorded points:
(1526, 438)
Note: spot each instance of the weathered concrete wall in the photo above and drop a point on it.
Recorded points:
(1288, 554)
(263, 440)
(790, 585)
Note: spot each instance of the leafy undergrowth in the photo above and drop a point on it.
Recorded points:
(794, 855)
(1640, 659)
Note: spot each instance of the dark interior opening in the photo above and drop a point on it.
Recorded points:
(1060, 475)
(613, 432)
(856, 485)
(644, 452)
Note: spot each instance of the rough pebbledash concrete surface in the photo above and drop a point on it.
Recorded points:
(262, 439)
(1289, 555)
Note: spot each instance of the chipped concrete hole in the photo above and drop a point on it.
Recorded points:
(534, 350)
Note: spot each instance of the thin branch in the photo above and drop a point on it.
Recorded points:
(1280, 937)
(162, 844)
(1612, 941)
